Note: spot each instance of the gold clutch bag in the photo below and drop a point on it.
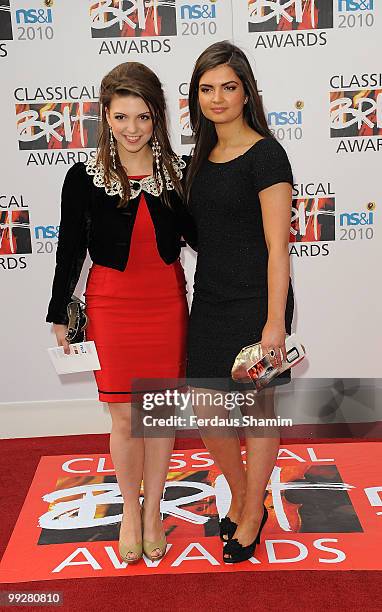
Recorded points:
(251, 364)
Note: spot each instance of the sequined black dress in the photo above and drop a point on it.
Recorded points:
(230, 302)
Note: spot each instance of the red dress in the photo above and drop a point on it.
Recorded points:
(138, 317)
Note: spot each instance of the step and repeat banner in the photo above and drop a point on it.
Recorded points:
(318, 70)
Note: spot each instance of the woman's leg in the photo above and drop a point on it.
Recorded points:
(157, 460)
(127, 454)
(224, 446)
(262, 449)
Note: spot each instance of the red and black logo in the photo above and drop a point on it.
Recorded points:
(64, 125)
(285, 15)
(5, 21)
(15, 234)
(356, 113)
(313, 220)
(186, 137)
(126, 18)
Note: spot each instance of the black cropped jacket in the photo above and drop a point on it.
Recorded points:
(91, 220)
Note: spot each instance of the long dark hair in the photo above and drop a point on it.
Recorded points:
(135, 79)
(203, 129)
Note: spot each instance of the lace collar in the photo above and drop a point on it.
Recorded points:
(147, 184)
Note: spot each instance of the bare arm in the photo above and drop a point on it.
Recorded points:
(276, 202)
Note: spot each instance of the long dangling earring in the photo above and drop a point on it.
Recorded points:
(112, 149)
(157, 152)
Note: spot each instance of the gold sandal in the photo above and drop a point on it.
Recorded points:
(125, 548)
(149, 547)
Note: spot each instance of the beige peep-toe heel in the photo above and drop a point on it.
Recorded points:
(125, 548)
(149, 547)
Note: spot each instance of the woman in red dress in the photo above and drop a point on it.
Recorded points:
(125, 207)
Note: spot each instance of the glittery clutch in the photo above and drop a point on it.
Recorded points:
(251, 364)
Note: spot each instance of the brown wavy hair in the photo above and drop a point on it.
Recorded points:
(203, 129)
(135, 79)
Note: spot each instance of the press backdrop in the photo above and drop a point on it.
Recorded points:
(318, 69)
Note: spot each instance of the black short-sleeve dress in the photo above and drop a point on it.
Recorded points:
(230, 303)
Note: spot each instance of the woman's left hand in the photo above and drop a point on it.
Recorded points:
(273, 337)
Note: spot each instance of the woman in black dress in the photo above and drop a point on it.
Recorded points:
(239, 190)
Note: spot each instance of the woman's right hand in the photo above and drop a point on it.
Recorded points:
(61, 331)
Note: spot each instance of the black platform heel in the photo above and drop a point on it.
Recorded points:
(234, 552)
(226, 528)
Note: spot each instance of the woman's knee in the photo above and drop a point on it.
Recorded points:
(121, 416)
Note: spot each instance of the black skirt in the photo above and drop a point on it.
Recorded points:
(219, 330)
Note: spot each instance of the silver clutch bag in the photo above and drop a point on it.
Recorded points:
(251, 364)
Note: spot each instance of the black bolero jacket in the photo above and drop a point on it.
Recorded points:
(90, 220)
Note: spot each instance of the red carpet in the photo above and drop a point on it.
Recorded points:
(260, 590)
